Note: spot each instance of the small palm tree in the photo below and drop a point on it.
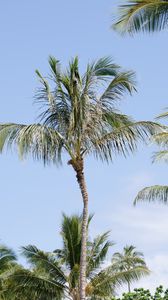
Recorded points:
(55, 275)
(128, 260)
(157, 192)
(79, 118)
(142, 15)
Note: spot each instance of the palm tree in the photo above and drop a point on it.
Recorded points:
(142, 15)
(79, 118)
(157, 192)
(129, 259)
(55, 275)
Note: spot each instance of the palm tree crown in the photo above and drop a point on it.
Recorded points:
(77, 117)
(129, 259)
(55, 275)
(142, 15)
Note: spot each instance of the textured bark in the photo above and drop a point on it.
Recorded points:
(79, 169)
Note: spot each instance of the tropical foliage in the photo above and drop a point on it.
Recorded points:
(7, 264)
(142, 294)
(142, 15)
(128, 259)
(157, 192)
(55, 275)
(79, 117)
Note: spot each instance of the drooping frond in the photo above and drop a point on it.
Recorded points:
(160, 156)
(142, 15)
(123, 139)
(45, 261)
(122, 83)
(7, 257)
(153, 193)
(41, 142)
(107, 280)
(37, 286)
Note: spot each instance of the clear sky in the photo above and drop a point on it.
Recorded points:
(32, 197)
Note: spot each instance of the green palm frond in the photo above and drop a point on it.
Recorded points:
(160, 156)
(37, 286)
(142, 15)
(122, 83)
(153, 193)
(123, 140)
(71, 234)
(97, 251)
(41, 142)
(44, 261)
(106, 282)
(7, 258)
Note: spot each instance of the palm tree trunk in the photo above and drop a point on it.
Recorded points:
(129, 288)
(79, 169)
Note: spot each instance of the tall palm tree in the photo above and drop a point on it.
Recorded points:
(129, 259)
(55, 275)
(142, 15)
(79, 118)
(157, 192)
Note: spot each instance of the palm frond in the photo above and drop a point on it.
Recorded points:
(160, 156)
(163, 115)
(41, 142)
(7, 258)
(124, 139)
(142, 15)
(123, 82)
(97, 251)
(25, 282)
(44, 261)
(153, 193)
(107, 280)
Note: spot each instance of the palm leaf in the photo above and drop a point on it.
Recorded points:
(41, 142)
(25, 282)
(123, 140)
(144, 15)
(153, 193)
(97, 251)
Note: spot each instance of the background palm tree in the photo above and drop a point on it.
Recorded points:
(130, 259)
(55, 275)
(157, 192)
(142, 15)
(7, 263)
(79, 118)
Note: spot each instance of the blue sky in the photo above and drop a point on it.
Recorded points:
(32, 197)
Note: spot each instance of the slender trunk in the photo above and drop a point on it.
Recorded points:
(129, 288)
(79, 169)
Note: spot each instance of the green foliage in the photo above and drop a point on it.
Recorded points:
(157, 192)
(142, 15)
(79, 115)
(55, 275)
(129, 259)
(142, 294)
